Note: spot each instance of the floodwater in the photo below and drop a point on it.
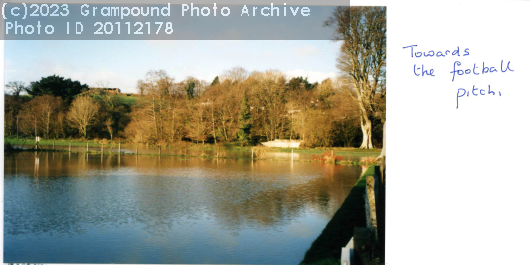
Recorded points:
(93, 208)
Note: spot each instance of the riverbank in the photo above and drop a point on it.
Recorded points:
(337, 151)
(326, 249)
(342, 162)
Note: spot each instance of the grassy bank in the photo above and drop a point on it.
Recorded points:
(74, 142)
(326, 249)
(193, 146)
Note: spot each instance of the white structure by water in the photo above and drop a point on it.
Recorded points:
(283, 143)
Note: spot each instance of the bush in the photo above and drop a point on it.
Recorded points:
(327, 157)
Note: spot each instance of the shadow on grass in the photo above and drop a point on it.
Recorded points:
(326, 249)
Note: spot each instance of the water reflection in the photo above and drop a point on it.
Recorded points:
(181, 206)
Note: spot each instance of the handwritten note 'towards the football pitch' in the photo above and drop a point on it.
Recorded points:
(458, 70)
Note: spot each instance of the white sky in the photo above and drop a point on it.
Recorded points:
(121, 63)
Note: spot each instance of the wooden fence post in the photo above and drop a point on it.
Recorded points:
(87, 146)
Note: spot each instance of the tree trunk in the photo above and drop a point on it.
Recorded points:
(383, 151)
(154, 120)
(48, 126)
(366, 127)
(17, 127)
(224, 131)
(213, 124)
(173, 125)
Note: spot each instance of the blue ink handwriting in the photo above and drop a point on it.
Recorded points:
(474, 92)
(432, 53)
(459, 69)
(485, 69)
(423, 72)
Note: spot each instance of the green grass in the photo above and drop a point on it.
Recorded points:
(74, 142)
(336, 150)
(127, 100)
(326, 249)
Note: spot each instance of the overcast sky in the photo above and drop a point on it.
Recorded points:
(121, 63)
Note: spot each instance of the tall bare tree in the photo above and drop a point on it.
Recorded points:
(270, 95)
(363, 59)
(48, 106)
(82, 114)
(141, 87)
(198, 126)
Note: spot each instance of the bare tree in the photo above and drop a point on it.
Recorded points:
(363, 58)
(108, 123)
(141, 87)
(198, 126)
(30, 118)
(102, 84)
(235, 75)
(82, 114)
(59, 124)
(48, 106)
(270, 96)
(16, 87)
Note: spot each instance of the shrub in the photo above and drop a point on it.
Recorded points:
(327, 157)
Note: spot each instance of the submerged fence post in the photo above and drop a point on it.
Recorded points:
(136, 149)
(159, 150)
(53, 146)
(252, 153)
(70, 147)
(101, 148)
(87, 146)
(292, 154)
(119, 147)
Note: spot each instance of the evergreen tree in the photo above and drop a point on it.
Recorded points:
(215, 81)
(57, 86)
(297, 83)
(243, 135)
(190, 90)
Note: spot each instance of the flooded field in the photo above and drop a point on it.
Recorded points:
(65, 207)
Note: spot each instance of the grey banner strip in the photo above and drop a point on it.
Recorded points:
(189, 21)
(202, 2)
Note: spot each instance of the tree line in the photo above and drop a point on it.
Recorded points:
(236, 107)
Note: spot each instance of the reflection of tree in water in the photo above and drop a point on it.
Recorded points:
(365, 163)
(263, 201)
(161, 192)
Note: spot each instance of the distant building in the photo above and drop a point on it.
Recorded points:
(110, 90)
